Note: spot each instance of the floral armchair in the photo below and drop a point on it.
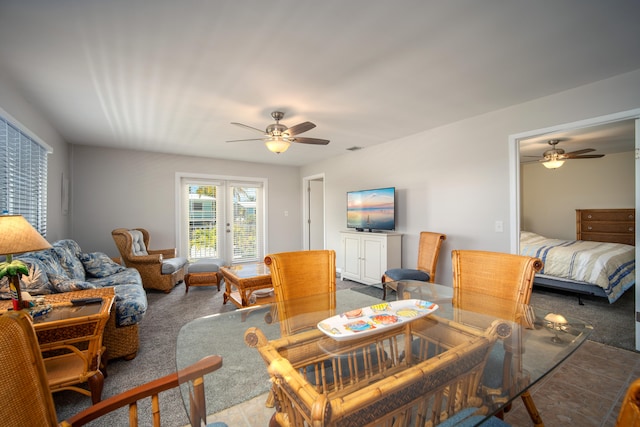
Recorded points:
(160, 269)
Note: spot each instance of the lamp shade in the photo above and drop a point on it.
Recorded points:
(277, 144)
(18, 236)
(553, 164)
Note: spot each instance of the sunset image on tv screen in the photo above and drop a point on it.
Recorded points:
(371, 209)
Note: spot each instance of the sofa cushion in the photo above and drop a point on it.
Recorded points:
(138, 247)
(68, 252)
(98, 264)
(171, 265)
(130, 304)
(206, 265)
(128, 276)
(64, 284)
(131, 299)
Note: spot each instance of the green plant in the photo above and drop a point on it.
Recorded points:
(13, 269)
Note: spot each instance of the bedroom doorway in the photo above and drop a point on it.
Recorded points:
(516, 185)
(313, 201)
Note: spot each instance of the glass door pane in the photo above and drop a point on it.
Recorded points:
(221, 219)
(245, 224)
(203, 222)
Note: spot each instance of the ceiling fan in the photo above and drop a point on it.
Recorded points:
(278, 137)
(555, 157)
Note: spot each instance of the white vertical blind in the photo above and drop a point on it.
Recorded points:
(23, 176)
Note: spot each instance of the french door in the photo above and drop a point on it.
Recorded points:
(222, 219)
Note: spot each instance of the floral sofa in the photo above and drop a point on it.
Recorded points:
(64, 268)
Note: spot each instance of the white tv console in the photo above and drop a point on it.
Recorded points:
(366, 256)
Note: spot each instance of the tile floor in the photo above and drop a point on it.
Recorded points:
(586, 390)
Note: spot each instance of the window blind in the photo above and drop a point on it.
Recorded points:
(23, 176)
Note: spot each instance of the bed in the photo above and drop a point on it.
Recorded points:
(604, 268)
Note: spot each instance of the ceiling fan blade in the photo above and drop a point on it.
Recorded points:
(300, 128)
(315, 141)
(251, 139)
(588, 156)
(578, 152)
(248, 127)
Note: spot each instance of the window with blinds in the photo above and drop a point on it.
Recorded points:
(23, 176)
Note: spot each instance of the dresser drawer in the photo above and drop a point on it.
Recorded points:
(611, 238)
(616, 215)
(607, 227)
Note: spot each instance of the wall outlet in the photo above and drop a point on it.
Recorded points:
(499, 227)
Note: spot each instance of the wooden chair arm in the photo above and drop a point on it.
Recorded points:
(167, 253)
(153, 388)
(146, 259)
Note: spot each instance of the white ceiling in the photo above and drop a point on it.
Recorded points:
(170, 76)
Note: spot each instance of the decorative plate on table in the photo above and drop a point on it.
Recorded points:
(375, 318)
(261, 293)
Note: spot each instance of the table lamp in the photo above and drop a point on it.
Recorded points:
(556, 322)
(17, 236)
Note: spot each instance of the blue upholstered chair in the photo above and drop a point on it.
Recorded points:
(428, 253)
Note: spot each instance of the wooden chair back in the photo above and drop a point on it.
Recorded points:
(429, 252)
(494, 283)
(24, 387)
(302, 274)
(498, 284)
(629, 415)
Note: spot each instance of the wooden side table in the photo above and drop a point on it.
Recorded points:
(70, 338)
(243, 280)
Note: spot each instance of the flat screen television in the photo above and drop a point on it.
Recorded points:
(372, 209)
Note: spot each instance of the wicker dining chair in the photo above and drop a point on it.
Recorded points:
(498, 284)
(302, 274)
(428, 254)
(629, 415)
(27, 400)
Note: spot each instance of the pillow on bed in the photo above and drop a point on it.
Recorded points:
(530, 238)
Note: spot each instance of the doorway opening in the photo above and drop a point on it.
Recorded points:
(313, 208)
(516, 184)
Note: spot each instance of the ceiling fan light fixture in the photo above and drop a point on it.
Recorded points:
(277, 145)
(553, 164)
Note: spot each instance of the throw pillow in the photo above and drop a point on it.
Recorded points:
(98, 264)
(64, 284)
(71, 265)
(36, 283)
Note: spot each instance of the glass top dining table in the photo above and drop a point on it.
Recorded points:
(542, 345)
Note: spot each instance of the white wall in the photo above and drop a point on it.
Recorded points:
(15, 108)
(550, 197)
(455, 179)
(123, 188)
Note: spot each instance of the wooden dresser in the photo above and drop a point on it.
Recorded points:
(606, 225)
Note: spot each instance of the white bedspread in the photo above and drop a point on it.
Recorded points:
(608, 265)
